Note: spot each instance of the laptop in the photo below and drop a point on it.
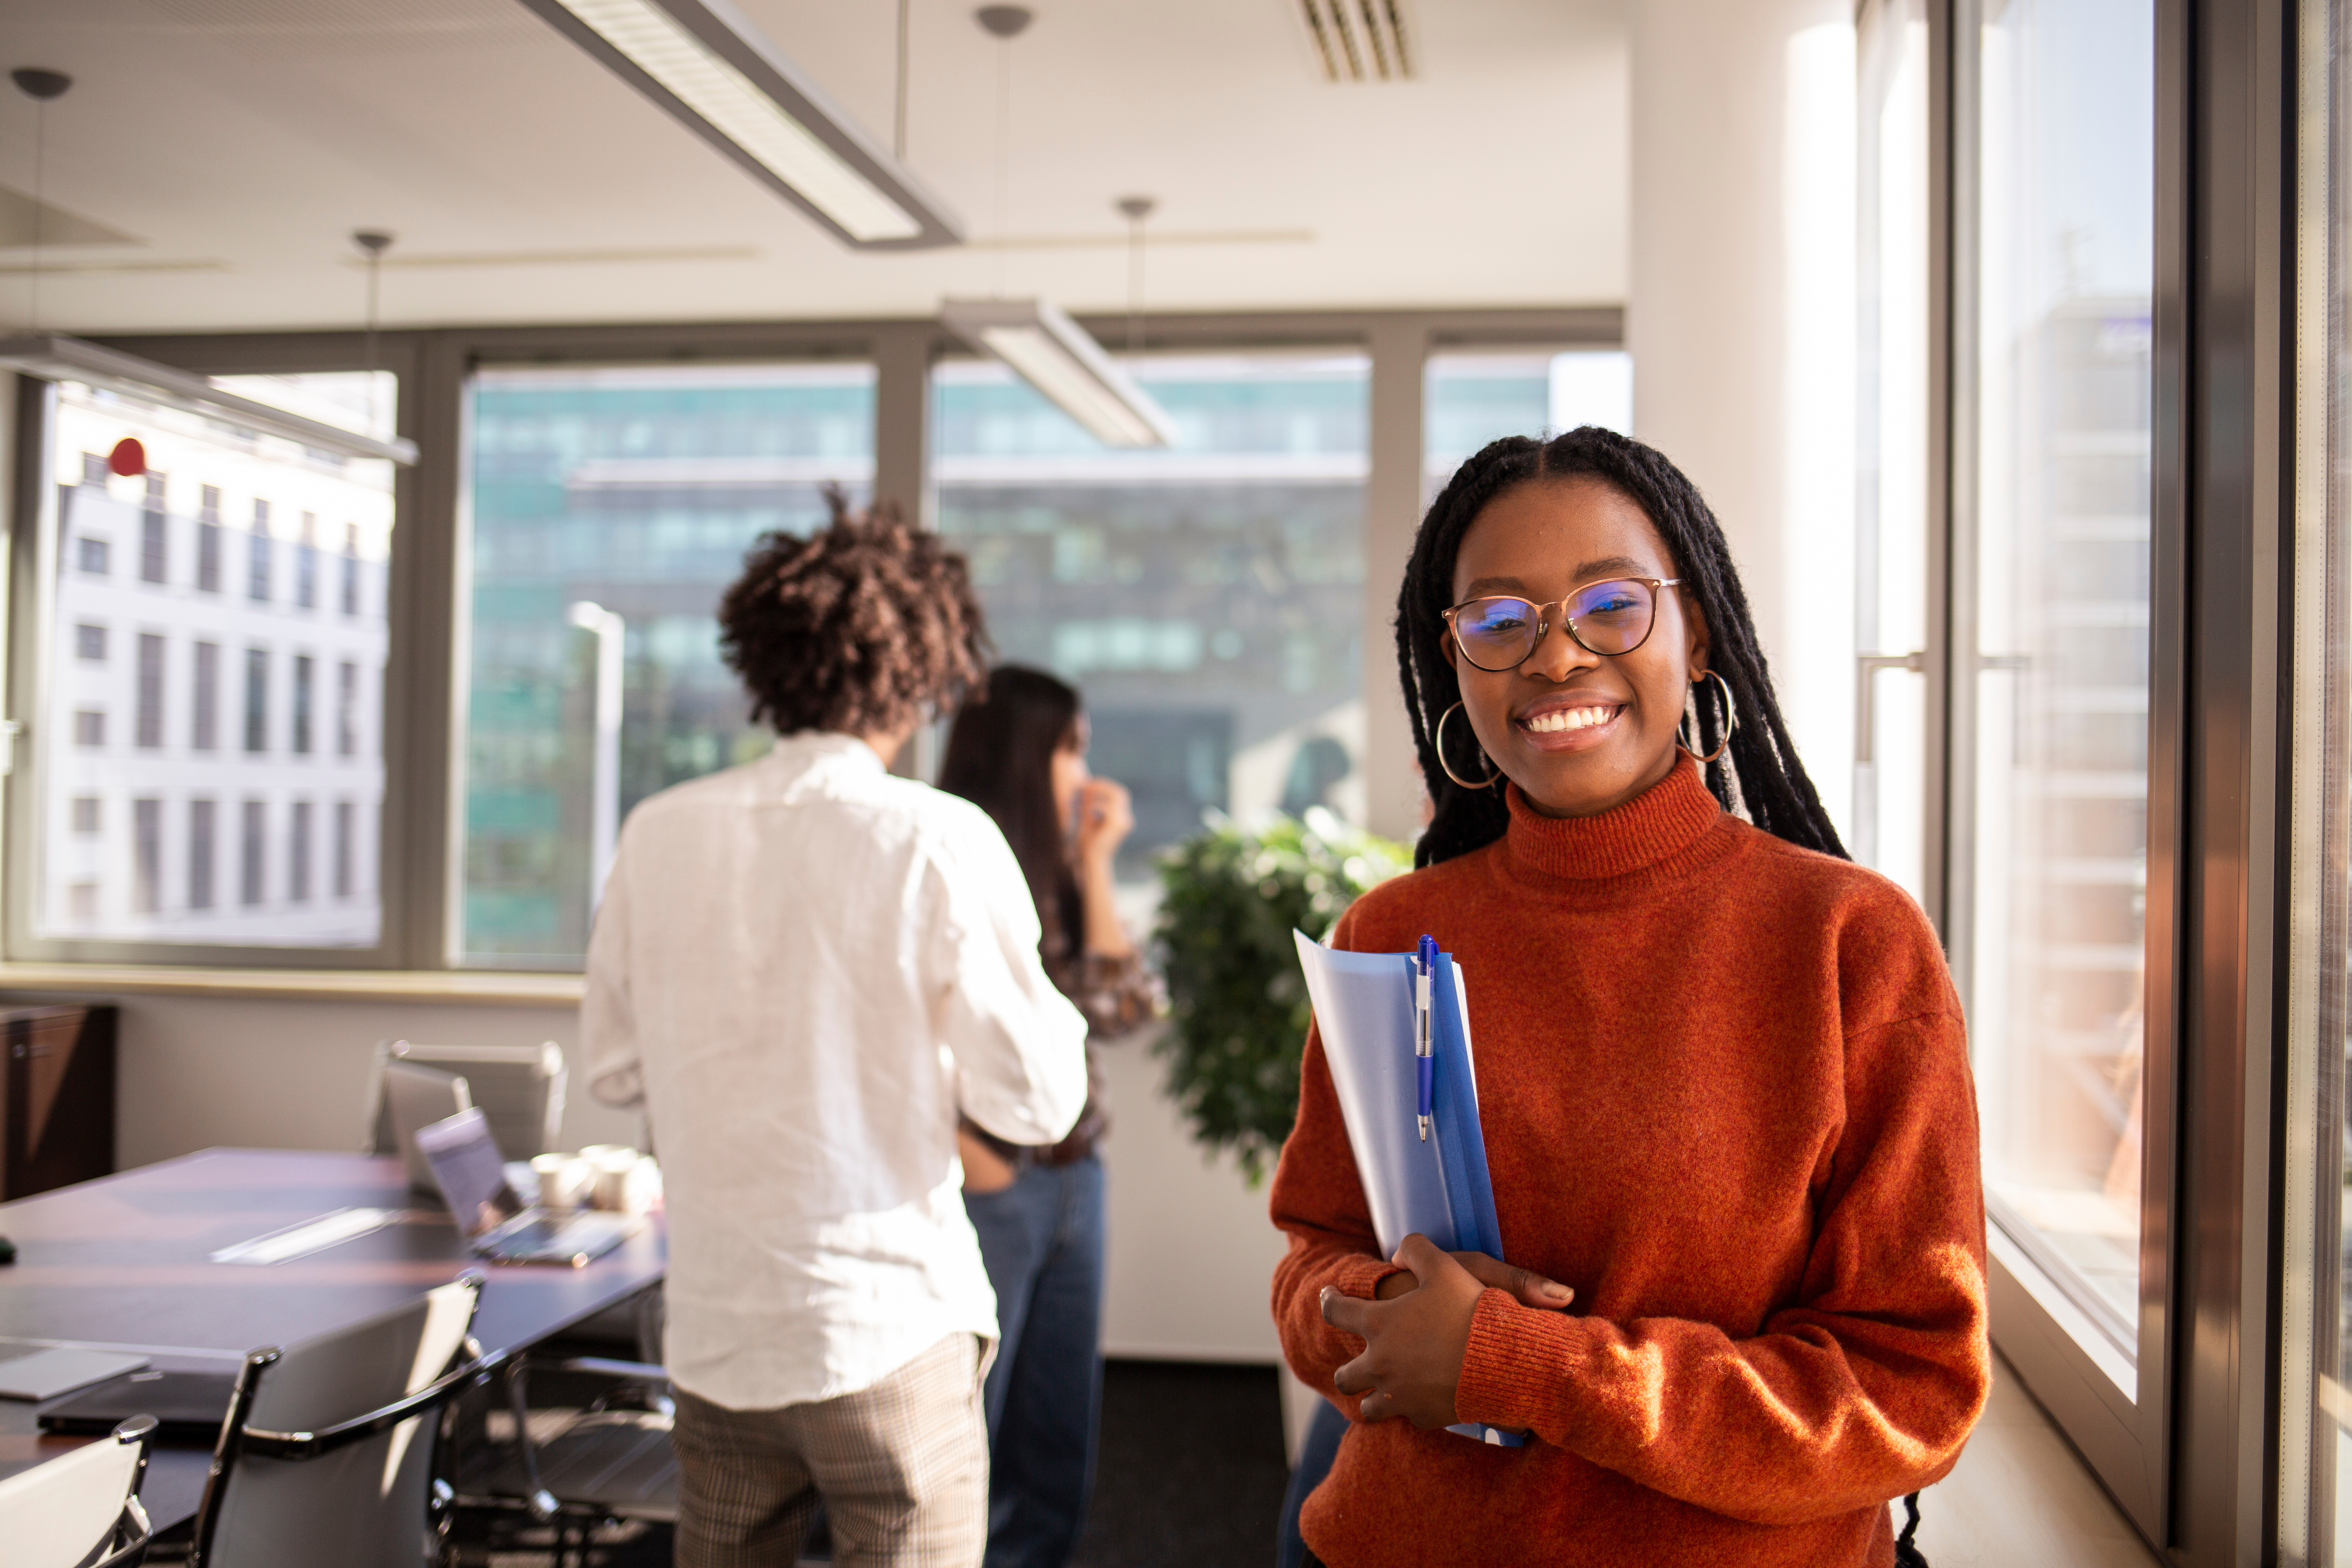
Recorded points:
(415, 1097)
(185, 1404)
(472, 1177)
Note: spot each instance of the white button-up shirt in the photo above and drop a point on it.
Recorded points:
(801, 969)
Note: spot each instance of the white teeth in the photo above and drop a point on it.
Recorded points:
(1564, 719)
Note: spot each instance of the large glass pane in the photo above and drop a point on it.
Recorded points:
(1472, 396)
(617, 503)
(1891, 448)
(208, 744)
(2061, 638)
(1206, 599)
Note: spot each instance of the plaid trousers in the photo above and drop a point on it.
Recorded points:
(902, 1468)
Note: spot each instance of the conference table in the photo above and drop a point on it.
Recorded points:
(123, 1263)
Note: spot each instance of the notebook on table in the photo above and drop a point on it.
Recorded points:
(44, 1375)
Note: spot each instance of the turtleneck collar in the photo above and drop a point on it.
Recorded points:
(1664, 820)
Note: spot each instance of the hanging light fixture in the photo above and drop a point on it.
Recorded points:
(704, 63)
(1034, 338)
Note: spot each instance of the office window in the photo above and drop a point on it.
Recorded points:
(208, 542)
(1208, 600)
(298, 854)
(347, 708)
(89, 643)
(146, 856)
(345, 823)
(204, 681)
(638, 490)
(85, 814)
(350, 569)
(204, 699)
(201, 820)
(93, 469)
(303, 663)
(306, 565)
(258, 562)
(149, 720)
(255, 852)
(92, 555)
(82, 903)
(1471, 397)
(256, 699)
(154, 549)
(2062, 639)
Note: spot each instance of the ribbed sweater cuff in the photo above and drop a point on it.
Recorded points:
(1521, 1364)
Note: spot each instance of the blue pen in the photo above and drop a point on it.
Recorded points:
(1425, 976)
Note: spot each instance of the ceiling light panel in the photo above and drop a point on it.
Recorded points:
(1054, 354)
(708, 66)
(1357, 40)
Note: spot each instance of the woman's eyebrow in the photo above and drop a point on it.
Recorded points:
(1625, 565)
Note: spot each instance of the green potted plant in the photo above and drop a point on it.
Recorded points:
(1238, 1005)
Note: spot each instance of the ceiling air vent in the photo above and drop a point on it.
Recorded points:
(1357, 40)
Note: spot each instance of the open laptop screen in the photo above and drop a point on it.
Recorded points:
(466, 1166)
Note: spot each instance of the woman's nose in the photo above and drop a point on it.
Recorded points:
(1558, 655)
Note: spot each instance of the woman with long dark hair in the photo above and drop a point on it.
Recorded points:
(1722, 1074)
(1019, 752)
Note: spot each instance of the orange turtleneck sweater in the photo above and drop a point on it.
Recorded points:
(1726, 1094)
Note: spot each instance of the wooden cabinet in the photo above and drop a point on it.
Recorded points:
(57, 1098)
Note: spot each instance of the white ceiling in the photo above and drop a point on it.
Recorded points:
(241, 140)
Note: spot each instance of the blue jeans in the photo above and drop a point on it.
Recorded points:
(1042, 1238)
(1316, 1453)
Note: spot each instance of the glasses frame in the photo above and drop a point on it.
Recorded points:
(1544, 623)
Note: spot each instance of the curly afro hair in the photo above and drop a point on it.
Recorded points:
(859, 628)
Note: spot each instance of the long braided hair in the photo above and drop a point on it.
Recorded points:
(1757, 774)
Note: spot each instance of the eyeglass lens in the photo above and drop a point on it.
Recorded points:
(1606, 617)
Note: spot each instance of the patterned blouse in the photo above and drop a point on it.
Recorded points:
(1117, 995)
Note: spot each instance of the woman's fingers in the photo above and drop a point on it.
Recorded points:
(1346, 1313)
(1377, 1406)
(1531, 1289)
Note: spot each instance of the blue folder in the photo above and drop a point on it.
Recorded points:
(1364, 1011)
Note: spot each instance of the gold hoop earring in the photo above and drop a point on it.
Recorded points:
(1730, 719)
(1487, 783)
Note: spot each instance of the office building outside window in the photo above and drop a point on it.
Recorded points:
(149, 720)
(154, 549)
(171, 874)
(300, 740)
(89, 643)
(298, 854)
(1207, 599)
(350, 569)
(344, 815)
(208, 541)
(147, 856)
(347, 708)
(93, 554)
(637, 491)
(257, 556)
(253, 861)
(306, 565)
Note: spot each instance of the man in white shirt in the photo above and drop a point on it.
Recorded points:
(802, 968)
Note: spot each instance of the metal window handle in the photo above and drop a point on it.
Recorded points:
(1866, 667)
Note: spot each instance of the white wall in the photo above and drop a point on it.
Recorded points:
(1740, 319)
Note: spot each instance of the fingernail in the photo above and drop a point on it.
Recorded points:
(1556, 1292)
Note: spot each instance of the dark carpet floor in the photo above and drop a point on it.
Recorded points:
(1192, 1476)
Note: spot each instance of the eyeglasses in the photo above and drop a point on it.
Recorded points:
(1498, 633)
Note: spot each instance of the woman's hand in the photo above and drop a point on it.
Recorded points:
(1417, 1332)
(1105, 817)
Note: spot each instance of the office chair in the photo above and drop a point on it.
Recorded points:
(610, 1461)
(328, 1452)
(81, 1510)
(518, 1087)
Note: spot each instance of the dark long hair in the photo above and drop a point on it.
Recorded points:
(1758, 773)
(1000, 756)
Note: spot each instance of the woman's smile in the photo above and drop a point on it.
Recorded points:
(1571, 721)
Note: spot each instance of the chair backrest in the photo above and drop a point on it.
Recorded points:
(414, 1097)
(518, 1087)
(58, 1514)
(362, 1504)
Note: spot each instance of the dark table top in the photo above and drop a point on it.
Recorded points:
(123, 1263)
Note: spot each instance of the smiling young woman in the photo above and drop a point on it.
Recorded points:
(1722, 1073)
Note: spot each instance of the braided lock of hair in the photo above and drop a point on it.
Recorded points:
(1757, 774)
